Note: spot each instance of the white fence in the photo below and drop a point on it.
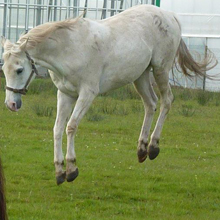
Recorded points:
(201, 30)
(200, 21)
(197, 43)
(18, 16)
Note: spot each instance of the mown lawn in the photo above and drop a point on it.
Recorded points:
(182, 183)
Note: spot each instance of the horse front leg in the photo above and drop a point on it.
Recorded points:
(64, 108)
(83, 103)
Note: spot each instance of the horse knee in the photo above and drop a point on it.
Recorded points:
(171, 96)
(71, 128)
(152, 107)
(166, 105)
(167, 101)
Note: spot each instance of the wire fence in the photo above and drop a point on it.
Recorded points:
(19, 16)
(199, 47)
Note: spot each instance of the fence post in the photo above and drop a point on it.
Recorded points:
(121, 5)
(49, 10)
(55, 11)
(104, 9)
(38, 15)
(5, 18)
(204, 78)
(27, 16)
(9, 19)
(75, 8)
(85, 8)
(112, 7)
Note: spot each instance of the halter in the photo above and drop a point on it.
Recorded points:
(33, 71)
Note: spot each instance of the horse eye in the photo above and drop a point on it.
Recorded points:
(19, 70)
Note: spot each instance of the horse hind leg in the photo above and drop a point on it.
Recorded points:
(161, 76)
(145, 90)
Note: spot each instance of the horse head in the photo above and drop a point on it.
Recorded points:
(19, 69)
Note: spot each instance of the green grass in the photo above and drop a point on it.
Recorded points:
(182, 183)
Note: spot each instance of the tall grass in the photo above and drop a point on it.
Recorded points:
(182, 183)
(40, 86)
(123, 93)
(42, 110)
(204, 97)
(2, 83)
(187, 110)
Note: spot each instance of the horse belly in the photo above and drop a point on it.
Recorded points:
(122, 72)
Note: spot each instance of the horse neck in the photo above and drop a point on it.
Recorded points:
(43, 56)
(47, 54)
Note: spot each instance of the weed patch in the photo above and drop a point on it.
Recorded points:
(186, 94)
(187, 110)
(41, 110)
(204, 97)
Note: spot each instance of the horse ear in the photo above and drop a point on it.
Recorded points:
(23, 45)
(3, 40)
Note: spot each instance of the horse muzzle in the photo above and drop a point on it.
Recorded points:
(13, 106)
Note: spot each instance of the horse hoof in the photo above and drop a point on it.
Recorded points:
(142, 155)
(153, 152)
(61, 178)
(72, 176)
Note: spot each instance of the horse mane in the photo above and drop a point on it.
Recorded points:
(42, 32)
(37, 35)
(3, 214)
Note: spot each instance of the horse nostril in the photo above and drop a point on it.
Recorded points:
(18, 104)
(11, 105)
(14, 106)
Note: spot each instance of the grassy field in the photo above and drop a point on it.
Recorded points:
(182, 183)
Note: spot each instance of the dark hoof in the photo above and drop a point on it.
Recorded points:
(153, 152)
(60, 179)
(72, 176)
(142, 155)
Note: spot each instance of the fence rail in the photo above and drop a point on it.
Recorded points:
(19, 16)
(203, 45)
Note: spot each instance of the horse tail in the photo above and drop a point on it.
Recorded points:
(187, 62)
(3, 214)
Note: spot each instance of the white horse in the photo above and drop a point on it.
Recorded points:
(87, 58)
